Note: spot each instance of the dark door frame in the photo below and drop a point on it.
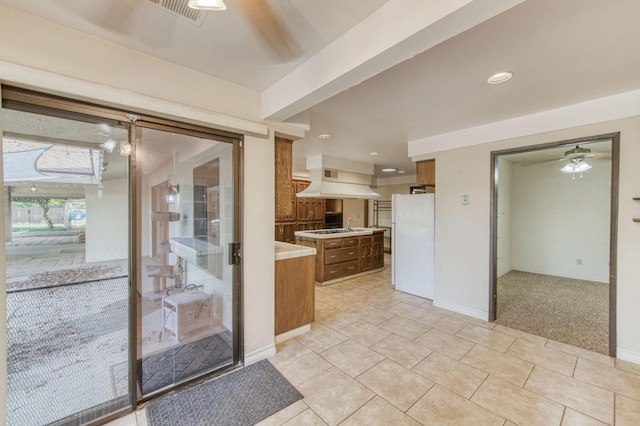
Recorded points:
(613, 229)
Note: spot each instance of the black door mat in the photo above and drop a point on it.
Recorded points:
(241, 398)
(185, 361)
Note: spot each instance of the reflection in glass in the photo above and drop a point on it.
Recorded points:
(186, 287)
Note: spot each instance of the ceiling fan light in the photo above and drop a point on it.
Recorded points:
(575, 167)
(108, 145)
(207, 4)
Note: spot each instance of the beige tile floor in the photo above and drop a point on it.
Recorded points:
(376, 356)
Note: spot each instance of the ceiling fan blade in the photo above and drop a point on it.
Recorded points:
(533, 163)
(115, 15)
(266, 24)
(602, 155)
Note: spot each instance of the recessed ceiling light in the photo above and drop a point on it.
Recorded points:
(500, 77)
(389, 169)
(373, 153)
(207, 4)
(401, 171)
(324, 135)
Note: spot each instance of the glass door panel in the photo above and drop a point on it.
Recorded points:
(66, 196)
(186, 191)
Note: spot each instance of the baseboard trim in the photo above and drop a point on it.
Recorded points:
(260, 354)
(292, 333)
(627, 355)
(464, 310)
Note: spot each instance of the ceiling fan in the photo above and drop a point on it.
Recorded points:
(125, 17)
(574, 155)
(575, 159)
(579, 154)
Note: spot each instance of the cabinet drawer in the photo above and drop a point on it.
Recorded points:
(352, 241)
(341, 270)
(379, 238)
(366, 240)
(340, 255)
(329, 244)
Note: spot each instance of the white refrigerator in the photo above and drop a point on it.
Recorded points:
(412, 243)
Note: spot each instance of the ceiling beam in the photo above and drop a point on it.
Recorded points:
(397, 31)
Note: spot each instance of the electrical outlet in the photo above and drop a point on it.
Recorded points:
(578, 261)
(465, 200)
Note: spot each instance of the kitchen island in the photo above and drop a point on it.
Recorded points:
(344, 253)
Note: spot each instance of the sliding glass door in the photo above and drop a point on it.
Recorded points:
(187, 298)
(66, 195)
(122, 255)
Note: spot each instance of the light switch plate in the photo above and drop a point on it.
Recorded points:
(465, 200)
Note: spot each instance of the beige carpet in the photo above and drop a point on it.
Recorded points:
(571, 311)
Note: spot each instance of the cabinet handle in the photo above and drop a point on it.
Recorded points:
(352, 267)
(351, 241)
(334, 255)
(351, 252)
(334, 271)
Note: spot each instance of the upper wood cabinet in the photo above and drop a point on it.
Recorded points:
(285, 188)
(426, 172)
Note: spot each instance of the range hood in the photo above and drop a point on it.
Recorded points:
(338, 178)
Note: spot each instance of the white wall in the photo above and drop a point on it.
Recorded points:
(355, 209)
(504, 264)
(258, 250)
(462, 232)
(557, 220)
(107, 232)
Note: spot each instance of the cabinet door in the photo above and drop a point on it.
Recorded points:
(426, 172)
(303, 209)
(285, 232)
(285, 188)
(317, 207)
(279, 234)
(290, 233)
(366, 257)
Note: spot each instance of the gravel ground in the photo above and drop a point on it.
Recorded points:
(64, 276)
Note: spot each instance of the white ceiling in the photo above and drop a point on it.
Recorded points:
(562, 52)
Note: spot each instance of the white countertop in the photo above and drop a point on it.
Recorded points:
(288, 251)
(353, 233)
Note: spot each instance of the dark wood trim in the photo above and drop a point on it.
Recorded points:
(613, 242)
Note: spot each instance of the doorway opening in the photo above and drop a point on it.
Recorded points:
(553, 247)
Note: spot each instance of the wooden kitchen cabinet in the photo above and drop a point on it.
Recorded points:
(344, 256)
(308, 209)
(309, 214)
(285, 187)
(285, 232)
(426, 173)
(372, 252)
(294, 293)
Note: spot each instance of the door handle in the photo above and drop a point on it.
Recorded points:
(234, 253)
